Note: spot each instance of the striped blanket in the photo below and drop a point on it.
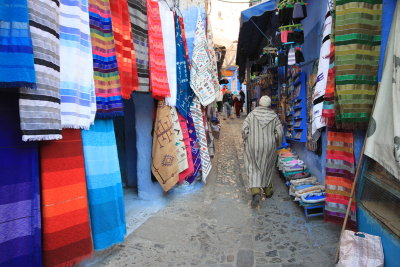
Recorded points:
(78, 100)
(40, 111)
(198, 120)
(357, 45)
(106, 76)
(184, 92)
(158, 73)
(20, 229)
(138, 14)
(66, 230)
(16, 64)
(164, 159)
(339, 177)
(202, 72)
(126, 55)
(106, 200)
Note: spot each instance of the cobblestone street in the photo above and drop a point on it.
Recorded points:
(215, 226)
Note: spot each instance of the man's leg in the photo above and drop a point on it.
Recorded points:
(256, 193)
(268, 191)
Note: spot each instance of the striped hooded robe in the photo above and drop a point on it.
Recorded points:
(262, 134)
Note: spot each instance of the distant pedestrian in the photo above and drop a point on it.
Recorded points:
(262, 134)
(218, 97)
(237, 104)
(242, 99)
(228, 103)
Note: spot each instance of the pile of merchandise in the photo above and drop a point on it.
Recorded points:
(304, 188)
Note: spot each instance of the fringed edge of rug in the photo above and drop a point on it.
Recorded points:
(77, 127)
(48, 137)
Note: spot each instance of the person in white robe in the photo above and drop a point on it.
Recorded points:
(262, 134)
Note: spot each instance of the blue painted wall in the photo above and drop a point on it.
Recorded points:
(147, 189)
(390, 243)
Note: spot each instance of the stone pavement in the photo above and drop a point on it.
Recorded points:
(215, 226)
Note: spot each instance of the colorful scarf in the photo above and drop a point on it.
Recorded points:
(357, 46)
(16, 64)
(179, 142)
(20, 238)
(339, 177)
(168, 31)
(40, 111)
(103, 176)
(164, 159)
(66, 230)
(198, 121)
(186, 139)
(106, 76)
(138, 14)
(201, 72)
(78, 100)
(185, 94)
(158, 73)
(383, 135)
(194, 144)
(126, 56)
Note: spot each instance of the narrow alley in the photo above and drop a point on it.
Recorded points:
(216, 226)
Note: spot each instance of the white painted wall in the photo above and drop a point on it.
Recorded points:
(225, 22)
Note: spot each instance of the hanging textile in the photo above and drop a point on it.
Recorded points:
(78, 100)
(20, 228)
(198, 121)
(125, 135)
(40, 112)
(357, 48)
(179, 142)
(16, 65)
(182, 24)
(184, 92)
(190, 16)
(164, 159)
(195, 147)
(186, 139)
(211, 51)
(106, 76)
(201, 72)
(158, 73)
(106, 199)
(339, 177)
(138, 15)
(168, 32)
(383, 136)
(328, 111)
(126, 56)
(318, 121)
(66, 230)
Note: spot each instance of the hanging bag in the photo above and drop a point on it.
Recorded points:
(360, 249)
(299, 12)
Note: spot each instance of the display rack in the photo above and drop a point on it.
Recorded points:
(296, 116)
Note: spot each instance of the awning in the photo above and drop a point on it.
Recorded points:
(257, 23)
(258, 9)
